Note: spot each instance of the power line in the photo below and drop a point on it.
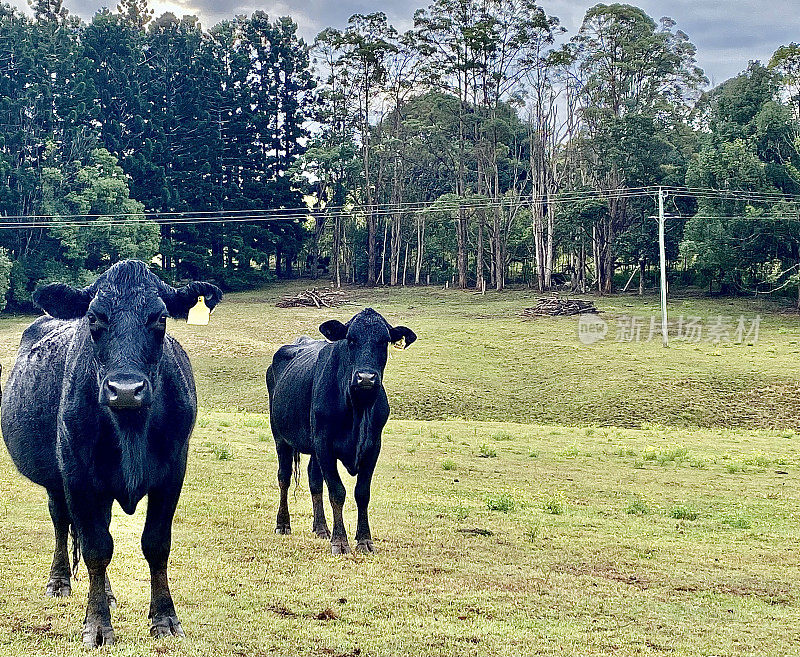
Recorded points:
(303, 213)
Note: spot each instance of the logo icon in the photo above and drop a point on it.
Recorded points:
(591, 328)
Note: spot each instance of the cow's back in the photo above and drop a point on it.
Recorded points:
(31, 399)
(289, 381)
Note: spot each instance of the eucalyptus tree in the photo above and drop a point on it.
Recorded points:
(633, 69)
(785, 61)
(449, 41)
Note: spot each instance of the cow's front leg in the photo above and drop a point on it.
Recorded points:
(315, 481)
(362, 494)
(58, 584)
(156, 544)
(336, 493)
(91, 514)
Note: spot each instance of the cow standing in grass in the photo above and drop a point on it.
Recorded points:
(327, 400)
(99, 407)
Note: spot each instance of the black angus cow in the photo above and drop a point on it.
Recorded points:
(327, 400)
(99, 407)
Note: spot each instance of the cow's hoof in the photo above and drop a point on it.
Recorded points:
(164, 626)
(365, 546)
(96, 635)
(58, 587)
(322, 532)
(340, 547)
(283, 528)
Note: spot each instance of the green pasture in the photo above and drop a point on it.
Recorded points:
(535, 495)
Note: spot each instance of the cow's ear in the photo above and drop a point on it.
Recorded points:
(63, 301)
(180, 301)
(402, 333)
(333, 329)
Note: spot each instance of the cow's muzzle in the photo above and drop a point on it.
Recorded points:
(366, 380)
(125, 392)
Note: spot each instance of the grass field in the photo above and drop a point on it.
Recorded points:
(534, 495)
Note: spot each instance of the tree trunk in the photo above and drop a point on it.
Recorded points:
(479, 264)
(420, 246)
(319, 228)
(549, 250)
(394, 264)
(642, 265)
(461, 258)
(337, 258)
(405, 265)
(381, 279)
(499, 259)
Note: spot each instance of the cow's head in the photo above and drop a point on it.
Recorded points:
(364, 341)
(126, 312)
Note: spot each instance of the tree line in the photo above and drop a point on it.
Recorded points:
(482, 147)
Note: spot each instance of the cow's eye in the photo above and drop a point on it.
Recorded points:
(158, 321)
(96, 322)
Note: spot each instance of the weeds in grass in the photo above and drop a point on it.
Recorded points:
(637, 507)
(735, 467)
(738, 521)
(638, 464)
(462, 512)
(222, 452)
(502, 502)
(411, 448)
(487, 452)
(502, 435)
(554, 505)
(263, 437)
(534, 454)
(758, 460)
(676, 455)
(698, 462)
(570, 453)
(224, 423)
(650, 454)
(448, 464)
(683, 512)
(202, 422)
(532, 533)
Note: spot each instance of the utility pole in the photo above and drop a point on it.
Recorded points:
(662, 252)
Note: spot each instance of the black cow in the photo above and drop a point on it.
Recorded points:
(99, 407)
(327, 399)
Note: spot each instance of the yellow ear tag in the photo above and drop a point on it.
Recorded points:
(400, 344)
(199, 313)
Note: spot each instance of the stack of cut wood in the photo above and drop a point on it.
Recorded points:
(555, 307)
(313, 298)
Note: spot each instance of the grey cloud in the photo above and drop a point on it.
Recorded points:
(727, 33)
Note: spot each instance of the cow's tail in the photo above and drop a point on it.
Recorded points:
(296, 467)
(76, 549)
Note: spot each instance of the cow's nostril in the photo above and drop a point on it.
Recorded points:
(366, 379)
(125, 394)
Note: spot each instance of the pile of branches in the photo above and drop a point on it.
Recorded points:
(555, 307)
(313, 299)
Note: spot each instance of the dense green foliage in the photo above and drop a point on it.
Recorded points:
(127, 115)
(484, 145)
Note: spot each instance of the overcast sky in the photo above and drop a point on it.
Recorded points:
(727, 33)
